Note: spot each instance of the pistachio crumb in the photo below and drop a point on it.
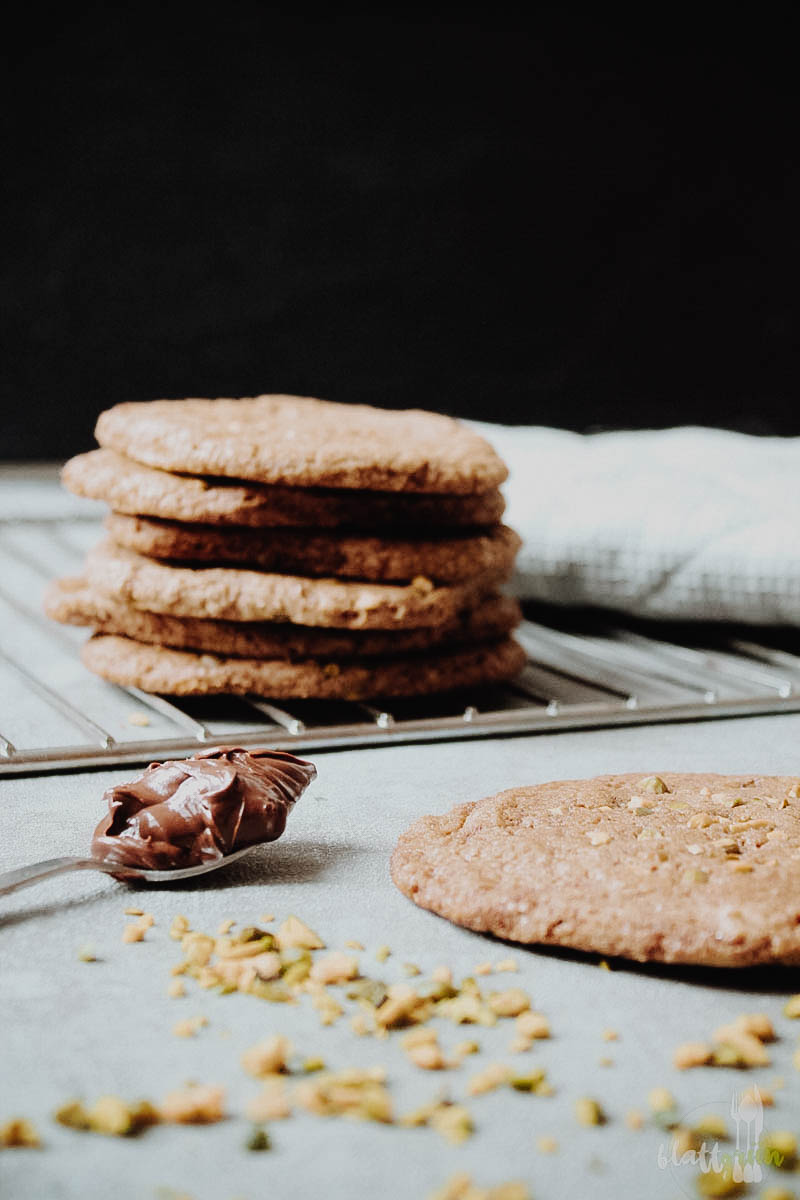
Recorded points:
(258, 1140)
(19, 1133)
(692, 1054)
(588, 1111)
(189, 1027)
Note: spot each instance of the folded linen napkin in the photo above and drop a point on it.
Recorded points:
(685, 523)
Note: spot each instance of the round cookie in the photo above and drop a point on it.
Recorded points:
(673, 868)
(304, 442)
(235, 594)
(132, 488)
(345, 555)
(179, 673)
(76, 602)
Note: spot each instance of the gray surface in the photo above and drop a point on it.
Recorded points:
(71, 1028)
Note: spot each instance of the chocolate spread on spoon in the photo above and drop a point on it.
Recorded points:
(179, 814)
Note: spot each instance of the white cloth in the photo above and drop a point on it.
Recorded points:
(680, 523)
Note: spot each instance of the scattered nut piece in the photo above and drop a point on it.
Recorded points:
(588, 1112)
(411, 969)
(267, 1057)
(509, 1003)
(271, 1104)
(352, 944)
(442, 975)
(86, 954)
(546, 1144)
(134, 932)
(692, 1054)
(779, 1149)
(661, 1100)
(453, 1122)
(176, 989)
(189, 1027)
(352, 1093)
(138, 718)
(258, 1140)
(506, 964)
(198, 1104)
(336, 967)
(490, 1078)
(225, 926)
(19, 1133)
(610, 1035)
(791, 1008)
(634, 1119)
(382, 953)
(295, 933)
(178, 927)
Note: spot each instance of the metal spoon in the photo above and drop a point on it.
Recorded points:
(12, 881)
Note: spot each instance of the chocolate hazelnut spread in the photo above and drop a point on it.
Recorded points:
(181, 813)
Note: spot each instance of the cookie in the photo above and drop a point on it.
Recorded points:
(76, 602)
(673, 868)
(180, 673)
(129, 487)
(345, 555)
(235, 594)
(304, 442)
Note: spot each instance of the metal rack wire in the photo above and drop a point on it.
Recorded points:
(581, 672)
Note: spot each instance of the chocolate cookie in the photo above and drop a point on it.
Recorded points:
(345, 555)
(235, 594)
(129, 487)
(673, 868)
(76, 602)
(305, 443)
(179, 673)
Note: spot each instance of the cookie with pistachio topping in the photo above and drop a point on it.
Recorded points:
(673, 868)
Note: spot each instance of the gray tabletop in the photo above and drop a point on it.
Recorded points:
(72, 1028)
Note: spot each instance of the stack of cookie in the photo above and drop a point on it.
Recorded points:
(293, 548)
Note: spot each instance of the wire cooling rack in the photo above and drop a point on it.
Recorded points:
(583, 671)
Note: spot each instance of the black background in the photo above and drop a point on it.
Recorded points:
(562, 218)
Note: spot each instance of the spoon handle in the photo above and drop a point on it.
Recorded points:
(11, 881)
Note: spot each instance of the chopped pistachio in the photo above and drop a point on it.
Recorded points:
(661, 1100)
(653, 783)
(73, 1114)
(336, 967)
(178, 927)
(198, 1104)
(792, 1007)
(272, 1102)
(692, 1054)
(509, 1003)
(258, 1140)
(491, 1077)
(267, 1057)
(588, 1112)
(453, 1122)
(294, 932)
(779, 1148)
(189, 1027)
(19, 1133)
